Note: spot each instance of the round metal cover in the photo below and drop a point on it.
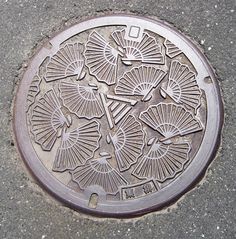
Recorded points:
(118, 115)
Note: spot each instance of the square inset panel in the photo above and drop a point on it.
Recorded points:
(134, 31)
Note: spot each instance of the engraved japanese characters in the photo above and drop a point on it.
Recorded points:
(115, 112)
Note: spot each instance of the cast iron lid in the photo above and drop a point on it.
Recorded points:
(118, 115)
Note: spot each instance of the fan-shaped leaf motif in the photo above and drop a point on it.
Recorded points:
(182, 86)
(163, 161)
(33, 91)
(140, 81)
(99, 172)
(68, 61)
(128, 142)
(47, 118)
(171, 49)
(170, 120)
(146, 51)
(77, 146)
(116, 107)
(101, 58)
(80, 100)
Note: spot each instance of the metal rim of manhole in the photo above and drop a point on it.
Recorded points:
(118, 115)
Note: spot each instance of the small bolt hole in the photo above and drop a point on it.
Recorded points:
(93, 200)
(208, 80)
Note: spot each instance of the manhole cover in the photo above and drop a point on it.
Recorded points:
(118, 115)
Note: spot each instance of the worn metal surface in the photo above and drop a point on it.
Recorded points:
(112, 115)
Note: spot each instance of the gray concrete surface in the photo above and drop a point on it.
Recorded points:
(208, 211)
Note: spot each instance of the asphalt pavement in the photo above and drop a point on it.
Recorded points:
(26, 211)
